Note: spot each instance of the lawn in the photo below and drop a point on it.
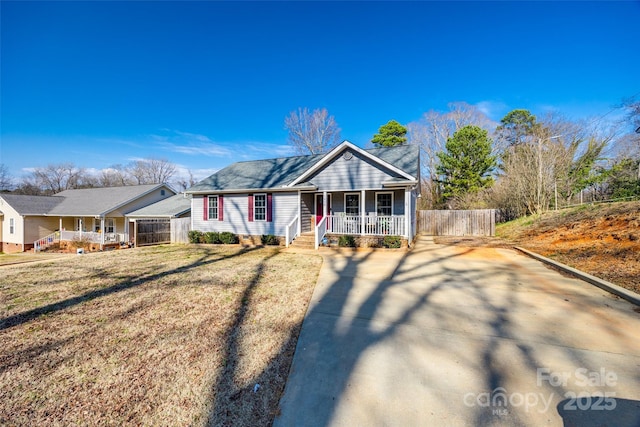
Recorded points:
(22, 257)
(165, 335)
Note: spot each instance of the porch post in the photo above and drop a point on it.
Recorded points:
(299, 212)
(60, 224)
(363, 210)
(324, 204)
(101, 232)
(407, 214)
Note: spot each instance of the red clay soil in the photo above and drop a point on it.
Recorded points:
(602, 240)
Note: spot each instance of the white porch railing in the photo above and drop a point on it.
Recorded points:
(321, 230)
(375, 225)
(92, 237)
(46, 241)
(292, 231)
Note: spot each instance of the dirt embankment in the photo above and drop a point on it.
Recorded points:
(602, 240)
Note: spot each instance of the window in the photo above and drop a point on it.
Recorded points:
(11, 226)
(162, 192)
(384, 204)
(213, 207)
(260, 207)
(352, 204)
(109, 225)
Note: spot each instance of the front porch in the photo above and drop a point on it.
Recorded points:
(373, 213)
(81, 239)
(89, 233)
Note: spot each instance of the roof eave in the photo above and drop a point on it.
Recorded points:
(252, 190)
(406, 183)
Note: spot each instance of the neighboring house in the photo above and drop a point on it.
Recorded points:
(345, 191)
(95, 215)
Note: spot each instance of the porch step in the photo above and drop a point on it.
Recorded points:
(304, 241)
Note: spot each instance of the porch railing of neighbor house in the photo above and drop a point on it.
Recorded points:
(46, 241)
(321, 230)
(291, 231)
(92, 237)
(373, 224)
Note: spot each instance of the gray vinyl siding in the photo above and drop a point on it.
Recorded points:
(306, 209)
(355, 174)
(236, 215)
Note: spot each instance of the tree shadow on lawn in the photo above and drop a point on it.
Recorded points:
(346, 336)
(27, 316)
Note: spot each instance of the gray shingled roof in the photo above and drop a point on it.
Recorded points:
(81, 202)
(171, 207)
(404, 157)
(270, 173)
(98, 201)
(276, 173)
(31, 205)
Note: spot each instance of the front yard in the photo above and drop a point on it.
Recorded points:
(164, 335)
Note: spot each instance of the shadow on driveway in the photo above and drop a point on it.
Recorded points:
(446, 335)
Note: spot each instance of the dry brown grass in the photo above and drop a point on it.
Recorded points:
(166, 335)
(22, 257)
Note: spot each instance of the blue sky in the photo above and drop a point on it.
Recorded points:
(204, 84)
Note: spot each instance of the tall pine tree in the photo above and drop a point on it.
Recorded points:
(393, 133)
(466, 164)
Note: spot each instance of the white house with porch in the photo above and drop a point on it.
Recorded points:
(348, 190)
(93, 215)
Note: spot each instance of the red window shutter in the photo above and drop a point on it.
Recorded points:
(269, 209)
(205, 204)
(220, 208)
(250, 207)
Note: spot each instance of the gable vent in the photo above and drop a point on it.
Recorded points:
(347, 155)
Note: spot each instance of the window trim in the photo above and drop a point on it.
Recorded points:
(107, 226)
(359, 204)
(385, 192)
(210, 217)
(255, 207)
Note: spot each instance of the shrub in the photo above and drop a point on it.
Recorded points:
(347, 241)
(392, 241)
(81, 243)
(270, 239)
(195, 236)
(212, 237)
(228, 238)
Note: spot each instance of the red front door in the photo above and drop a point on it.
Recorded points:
(320, 207)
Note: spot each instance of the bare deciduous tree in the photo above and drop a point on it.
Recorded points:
(558, 158)
(114, 176)
(152, 171)
(312, 132)
(55, 178)
(6, 181)
(184, 182)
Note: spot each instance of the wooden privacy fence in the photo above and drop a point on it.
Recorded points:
(180, 230)
(153, 231)
(478, 222)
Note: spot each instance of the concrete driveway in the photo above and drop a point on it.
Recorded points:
(455, 336)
